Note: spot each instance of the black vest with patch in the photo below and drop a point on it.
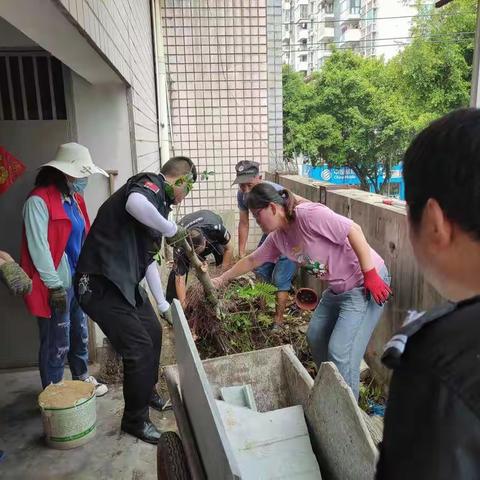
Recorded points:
(119, 247)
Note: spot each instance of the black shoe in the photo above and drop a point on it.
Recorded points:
(145, 431)
(156, 401)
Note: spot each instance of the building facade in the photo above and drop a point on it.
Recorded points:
(223, 62)
(385, 26)
(135, 81)
(370, 27)
(72, 70)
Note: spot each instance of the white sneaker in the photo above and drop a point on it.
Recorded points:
(100, 388)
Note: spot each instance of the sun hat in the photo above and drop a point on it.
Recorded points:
(74, 160)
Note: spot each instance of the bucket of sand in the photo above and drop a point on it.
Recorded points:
(69, 413)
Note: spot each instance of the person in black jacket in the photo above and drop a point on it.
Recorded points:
(432, 423)
(209, 236)
(117, 255)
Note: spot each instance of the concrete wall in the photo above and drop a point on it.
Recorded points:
(10, 37)
(102, 125)
(385, 228)
(121, 31)
(104, 42)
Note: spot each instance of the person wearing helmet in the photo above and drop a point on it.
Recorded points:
(209, 236)
(56, 223)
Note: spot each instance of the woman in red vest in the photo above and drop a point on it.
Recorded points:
(55, 226)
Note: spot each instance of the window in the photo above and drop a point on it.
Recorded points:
(302, 58)
(31, 88)
(328, 7)
(355, 7)
(303, 11)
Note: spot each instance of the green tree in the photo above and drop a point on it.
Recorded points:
(362, 113)
(355, 119)
(296, 97)
(433, 73)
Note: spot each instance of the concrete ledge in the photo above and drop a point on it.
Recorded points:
(313, 190)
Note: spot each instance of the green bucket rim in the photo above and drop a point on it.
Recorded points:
(68, 408)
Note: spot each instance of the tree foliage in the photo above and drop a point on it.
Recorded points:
(362, 112)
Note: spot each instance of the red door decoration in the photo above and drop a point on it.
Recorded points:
(10, 169)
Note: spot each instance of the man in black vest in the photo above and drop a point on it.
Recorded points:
(208, 235)
(118, 253)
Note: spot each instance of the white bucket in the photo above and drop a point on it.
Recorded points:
(69, 413)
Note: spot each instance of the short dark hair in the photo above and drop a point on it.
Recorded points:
(263, 194)
(178, 166)
(51, 176)
(443, 163)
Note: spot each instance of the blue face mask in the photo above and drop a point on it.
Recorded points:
(78, 185)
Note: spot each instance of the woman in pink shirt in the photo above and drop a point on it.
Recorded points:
(334, 249)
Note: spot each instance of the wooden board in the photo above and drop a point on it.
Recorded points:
(215, 451)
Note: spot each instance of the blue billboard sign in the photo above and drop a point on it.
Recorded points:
(346, 176)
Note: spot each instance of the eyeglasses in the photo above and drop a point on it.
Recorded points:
(256, 212)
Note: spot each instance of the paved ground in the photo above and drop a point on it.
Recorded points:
(110, 455)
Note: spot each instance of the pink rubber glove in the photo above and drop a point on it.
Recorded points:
(375, 286)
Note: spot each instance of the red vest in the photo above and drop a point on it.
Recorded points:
(59, 228)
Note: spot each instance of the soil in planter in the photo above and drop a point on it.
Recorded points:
(248, 309)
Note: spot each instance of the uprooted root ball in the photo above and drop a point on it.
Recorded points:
(248, 309)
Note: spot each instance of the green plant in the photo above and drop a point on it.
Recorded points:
(239, 321)
(264, 320)
(258, 291)
(157, 253)
(205, 175)
(370, 392)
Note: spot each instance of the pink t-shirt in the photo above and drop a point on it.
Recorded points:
(317, 240)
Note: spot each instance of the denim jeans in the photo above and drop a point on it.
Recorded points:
(279, 274)
(340, 329)
(63, 335)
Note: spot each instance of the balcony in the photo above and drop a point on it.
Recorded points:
(350, 12)
(349, 18)
(301, 12)
(326, 34)
(301, 66)
(351, 35)
(302, 34)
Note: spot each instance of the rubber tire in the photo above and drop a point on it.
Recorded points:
(171, 462)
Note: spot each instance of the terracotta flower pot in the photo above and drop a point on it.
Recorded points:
(306, 299)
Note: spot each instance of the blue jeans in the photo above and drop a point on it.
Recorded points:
(63, 335)
(279, 274)
(340, 329)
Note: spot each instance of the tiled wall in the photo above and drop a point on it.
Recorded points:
(121, 30)
(224, 71)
